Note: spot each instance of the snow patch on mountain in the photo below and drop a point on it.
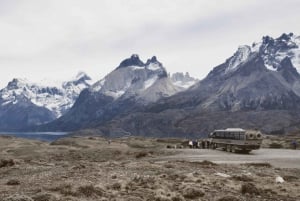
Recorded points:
(240, 56)
(150, 82)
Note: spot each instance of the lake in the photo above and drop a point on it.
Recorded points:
(43, 136)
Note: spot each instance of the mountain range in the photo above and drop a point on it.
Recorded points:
(257, 87)
(24, 105)
(133, 85)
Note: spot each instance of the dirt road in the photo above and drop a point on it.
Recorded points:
(282, 158)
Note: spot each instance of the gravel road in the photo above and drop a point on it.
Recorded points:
(281, 158)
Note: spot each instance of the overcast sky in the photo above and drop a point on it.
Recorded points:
(54, 39)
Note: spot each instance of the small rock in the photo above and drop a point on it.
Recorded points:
(279, 180)
(222, 175)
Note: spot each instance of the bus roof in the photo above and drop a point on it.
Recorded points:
(232, 130)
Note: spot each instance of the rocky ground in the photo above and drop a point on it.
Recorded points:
(94, 168)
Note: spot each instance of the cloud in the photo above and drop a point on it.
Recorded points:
(56, 38)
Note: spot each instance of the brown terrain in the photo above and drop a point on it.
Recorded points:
(135, 169)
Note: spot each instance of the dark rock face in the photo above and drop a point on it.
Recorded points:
(134, 60)
(18, 116)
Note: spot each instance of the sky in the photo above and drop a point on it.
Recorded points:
(52, 40)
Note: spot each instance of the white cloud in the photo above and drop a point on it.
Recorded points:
(55, 39)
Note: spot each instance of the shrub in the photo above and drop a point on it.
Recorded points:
(141, 154)
(228, 198)
(192, 193)
(116, 186)
(241, 178)
(13, 182)
(64, 189)
(89, 190)
(43, 197)
(6, 163)
(249, 188)
(267, 165)
(275, 145)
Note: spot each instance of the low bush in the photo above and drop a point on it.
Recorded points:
(193, 193)
(6, 163)
(13, 182)
(141, 154)
(275, 145)
(249, 188)
(89, 190)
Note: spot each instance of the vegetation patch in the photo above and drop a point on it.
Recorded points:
(13, 182)
(89, 190)
(249, 188)
(6, 163)
(276, 145)
(193, 193)
(266, 165)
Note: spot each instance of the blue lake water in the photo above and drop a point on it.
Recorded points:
(43, 136)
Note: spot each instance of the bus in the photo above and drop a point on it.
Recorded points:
(236, 140)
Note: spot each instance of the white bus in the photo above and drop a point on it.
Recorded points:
(236, 139)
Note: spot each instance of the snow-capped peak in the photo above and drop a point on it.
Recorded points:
(81, 79)
(56, 99)
(240, 56)
(132, 77)
(183, 80)
(17, 83)
(82, 75)
(271, 50)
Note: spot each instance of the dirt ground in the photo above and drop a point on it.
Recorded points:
(132, 169)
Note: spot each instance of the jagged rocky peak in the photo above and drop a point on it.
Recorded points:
(16, 83)
(135, 79)
(153, 60)
(81, 78)
(134, 60)
(183, 79)
(271, 50)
